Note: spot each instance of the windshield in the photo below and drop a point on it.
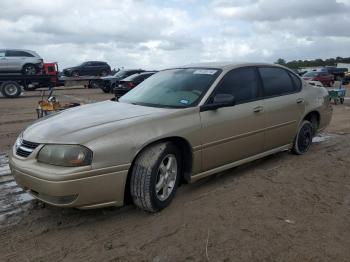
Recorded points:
(174, 88)
(311, 74)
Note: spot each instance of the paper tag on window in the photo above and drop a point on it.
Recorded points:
(204, 72)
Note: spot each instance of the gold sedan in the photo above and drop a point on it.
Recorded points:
(178, 126)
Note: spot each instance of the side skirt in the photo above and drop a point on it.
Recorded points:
(238, 163)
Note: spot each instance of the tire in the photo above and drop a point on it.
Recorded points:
(75, 74)
(105, 89)
(94, 84)
(148, 172)
(29, 69)
(10, 89)
(303, 139)
(342, 100)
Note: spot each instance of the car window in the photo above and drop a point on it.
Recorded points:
(241, 83)
(13, 53)
(296, 81)
(276, 81)
(2, 53)
(51, 69)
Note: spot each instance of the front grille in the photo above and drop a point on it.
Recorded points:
(25, 148)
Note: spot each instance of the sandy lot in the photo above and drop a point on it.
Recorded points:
(280, 208)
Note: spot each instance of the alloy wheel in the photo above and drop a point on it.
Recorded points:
(166, 177)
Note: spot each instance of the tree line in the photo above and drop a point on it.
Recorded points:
(296, 64)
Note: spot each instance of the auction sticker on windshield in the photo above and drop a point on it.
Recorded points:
(205, 72)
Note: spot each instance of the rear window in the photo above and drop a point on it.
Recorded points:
(276, 81)
(136, 77)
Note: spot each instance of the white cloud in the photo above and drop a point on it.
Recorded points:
(155, 34)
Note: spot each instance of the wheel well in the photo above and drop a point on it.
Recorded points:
(187, 160)
(28, 64)
(314, 118)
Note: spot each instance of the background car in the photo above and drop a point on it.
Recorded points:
(91, 68)
(110, 82)
(26, 62)
(325, 78)
(130, 82)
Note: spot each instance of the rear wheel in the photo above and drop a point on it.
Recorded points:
(155, 177)
(29, 69)
(11, 89)
(303, 139)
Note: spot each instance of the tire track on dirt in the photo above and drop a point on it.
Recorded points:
(13, 199)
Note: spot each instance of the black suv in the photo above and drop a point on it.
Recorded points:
(90, 68)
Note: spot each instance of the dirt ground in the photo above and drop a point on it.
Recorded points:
(280, 208)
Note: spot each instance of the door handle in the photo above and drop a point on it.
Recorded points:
(258, 109)
(300, 100)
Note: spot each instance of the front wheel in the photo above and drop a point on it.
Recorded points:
(303, 139)
(75, 74)
(155, 177)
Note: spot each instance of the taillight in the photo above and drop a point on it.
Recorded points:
(131, 84)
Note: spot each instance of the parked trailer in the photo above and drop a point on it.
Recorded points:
(90, 81)
(11, 86)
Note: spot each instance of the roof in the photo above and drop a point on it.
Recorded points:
(226, 65)
(16, 49)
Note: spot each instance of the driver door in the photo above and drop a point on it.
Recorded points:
(233, 133)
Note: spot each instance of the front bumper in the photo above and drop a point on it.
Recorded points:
(89, 189)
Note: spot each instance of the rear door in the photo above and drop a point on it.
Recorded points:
(284, 105)
(87, 68)
(15, 60)
(3, 61)
(233, 133)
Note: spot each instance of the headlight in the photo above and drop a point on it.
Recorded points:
(65, 155)
(19, 140)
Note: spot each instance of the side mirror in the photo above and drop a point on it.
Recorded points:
(219, 100)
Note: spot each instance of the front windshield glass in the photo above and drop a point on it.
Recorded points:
(173, 88)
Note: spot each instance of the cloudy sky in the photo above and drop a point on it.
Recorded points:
(154, 34)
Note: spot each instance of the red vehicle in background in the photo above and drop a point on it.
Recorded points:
(51, 69)
(325, 78)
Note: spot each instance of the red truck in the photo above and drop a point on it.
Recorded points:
(11, 84)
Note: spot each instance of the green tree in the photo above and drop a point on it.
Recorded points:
(281, 61)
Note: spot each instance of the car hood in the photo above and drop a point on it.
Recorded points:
(84, 123)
